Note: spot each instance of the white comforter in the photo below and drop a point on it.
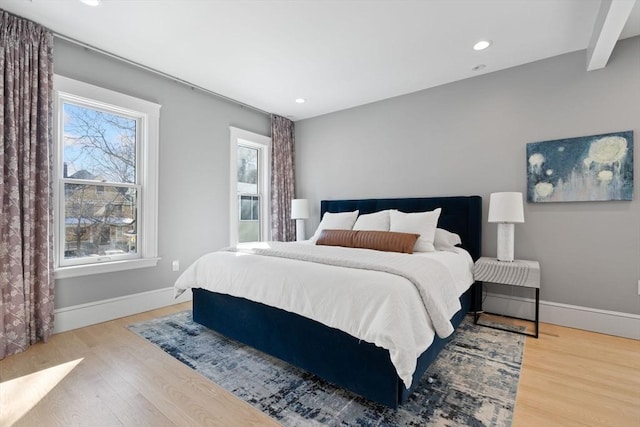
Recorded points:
(396, 301)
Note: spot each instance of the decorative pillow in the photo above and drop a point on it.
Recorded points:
(385, 241)
(378, 221)
(445, 240)
(422, 223)
(378, 240)
(336, 221)
(336, 238)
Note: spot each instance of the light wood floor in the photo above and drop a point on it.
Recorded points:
(105, 375)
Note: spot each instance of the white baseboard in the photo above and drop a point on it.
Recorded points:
(82, 315)
(590, 319)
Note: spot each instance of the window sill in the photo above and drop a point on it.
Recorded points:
(105, 267)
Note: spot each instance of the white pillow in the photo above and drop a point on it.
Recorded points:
(445, 240)
(335, 221)
(377, 221)
(422, 223)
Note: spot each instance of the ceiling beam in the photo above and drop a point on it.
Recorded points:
(611, 19)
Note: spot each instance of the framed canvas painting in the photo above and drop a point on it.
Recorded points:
(588, 168)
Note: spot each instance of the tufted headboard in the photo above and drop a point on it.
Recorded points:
(460, 214)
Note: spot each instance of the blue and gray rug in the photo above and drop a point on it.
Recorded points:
(472, 383)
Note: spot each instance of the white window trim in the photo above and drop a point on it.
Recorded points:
(261, 142)
(148, 170)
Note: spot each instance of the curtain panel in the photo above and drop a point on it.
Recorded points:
(26, 215)
(282, 178)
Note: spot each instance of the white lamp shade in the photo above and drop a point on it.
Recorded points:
(506, 207)
(299, 209)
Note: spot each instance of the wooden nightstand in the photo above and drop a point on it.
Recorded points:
(517, 273)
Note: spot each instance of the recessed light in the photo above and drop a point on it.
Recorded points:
(482, 45)
(479, 67)
(92, 2)
(300, 100)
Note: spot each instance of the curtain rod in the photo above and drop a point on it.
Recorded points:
(153, 70)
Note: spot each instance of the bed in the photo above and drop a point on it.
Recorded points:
(330, 353)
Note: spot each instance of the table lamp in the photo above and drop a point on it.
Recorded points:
(299, 212)
(506, 209)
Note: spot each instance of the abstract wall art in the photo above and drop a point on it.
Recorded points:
(588, 168)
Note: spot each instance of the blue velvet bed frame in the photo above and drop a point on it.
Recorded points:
(331, 354)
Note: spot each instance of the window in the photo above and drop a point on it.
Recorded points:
(105, 171)
(249, 186)
(250, 208)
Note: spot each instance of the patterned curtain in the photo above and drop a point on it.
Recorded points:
(26, 216)
(283, 228)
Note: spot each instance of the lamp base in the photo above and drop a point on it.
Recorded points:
(300, 230)
(505, 241)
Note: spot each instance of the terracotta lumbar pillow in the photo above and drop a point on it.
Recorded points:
(336, 238)
(379, 240)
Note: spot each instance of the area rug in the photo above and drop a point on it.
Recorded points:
(473, 382)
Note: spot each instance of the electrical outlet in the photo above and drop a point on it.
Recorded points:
(175, 265)
(638, 287)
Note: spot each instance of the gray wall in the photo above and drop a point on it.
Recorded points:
(193, 199)
(469, 137)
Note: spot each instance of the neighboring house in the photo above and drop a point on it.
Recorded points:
(99, 219)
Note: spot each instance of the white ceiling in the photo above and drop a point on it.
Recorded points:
(336, 54)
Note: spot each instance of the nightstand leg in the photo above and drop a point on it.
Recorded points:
(537, 311)
(477, 301)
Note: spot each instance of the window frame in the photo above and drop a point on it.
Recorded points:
(263, 145)
(147, 116)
